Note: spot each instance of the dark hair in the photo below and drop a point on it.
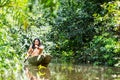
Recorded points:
(33, 43)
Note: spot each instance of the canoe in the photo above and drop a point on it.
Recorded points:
(43, 60)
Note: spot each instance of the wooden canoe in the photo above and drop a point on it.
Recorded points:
(43, 60)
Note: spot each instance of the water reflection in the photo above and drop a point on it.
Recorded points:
(56, 71)
(78, 72)
(37, 72)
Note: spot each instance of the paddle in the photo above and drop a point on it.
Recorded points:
(26, 58)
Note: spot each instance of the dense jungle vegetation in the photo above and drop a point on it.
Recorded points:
(80, 31)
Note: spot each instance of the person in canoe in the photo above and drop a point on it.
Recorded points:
(36, 48)
(35, 56)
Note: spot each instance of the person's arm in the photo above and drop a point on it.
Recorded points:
(41, 48)
(30, 50)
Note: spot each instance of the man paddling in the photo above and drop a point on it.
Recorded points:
(35, 49)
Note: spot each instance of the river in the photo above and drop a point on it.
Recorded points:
(65, 71)
(60, 71)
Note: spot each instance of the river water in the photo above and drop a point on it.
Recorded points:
(65, 71)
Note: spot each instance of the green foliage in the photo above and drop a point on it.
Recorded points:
(18, 27)
(103, 50)
(71, 26)
(80, 24)
(4, 3)
(86, 31)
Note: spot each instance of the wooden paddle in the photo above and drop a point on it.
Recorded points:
(26, 58)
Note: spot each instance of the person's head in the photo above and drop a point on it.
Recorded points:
(36, 41)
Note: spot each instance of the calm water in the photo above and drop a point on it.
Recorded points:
(63, 71)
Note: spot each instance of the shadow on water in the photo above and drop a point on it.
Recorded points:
(63, 71)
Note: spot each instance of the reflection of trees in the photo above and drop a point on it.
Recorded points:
(37, 72)
(75, 72)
